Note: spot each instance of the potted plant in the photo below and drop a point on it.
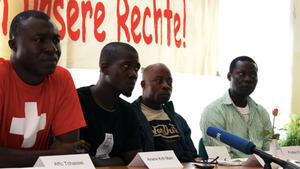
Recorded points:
(272, 137)
(293, 132)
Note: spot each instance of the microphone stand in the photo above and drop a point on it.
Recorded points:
(266, 157)
(269, 158)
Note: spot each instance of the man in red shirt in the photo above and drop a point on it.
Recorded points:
(36, 96)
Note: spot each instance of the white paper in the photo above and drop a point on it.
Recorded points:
(66, 161)
(230, 163)
(290, 153)
(27, 168)
(233, 162)
(221, 151)
(156, 159)
(44, 168)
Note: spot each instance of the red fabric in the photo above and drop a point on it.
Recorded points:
(56, 96)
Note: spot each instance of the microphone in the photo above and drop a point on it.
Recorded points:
(232, 140)
(247, 147)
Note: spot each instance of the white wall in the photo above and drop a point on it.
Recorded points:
(261, 29)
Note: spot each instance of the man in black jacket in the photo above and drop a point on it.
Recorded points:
(160, 126)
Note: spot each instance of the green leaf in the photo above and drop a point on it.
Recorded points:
(276, 136)
(265, 133)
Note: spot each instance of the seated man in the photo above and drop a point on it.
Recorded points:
(161, 128)
(236, 112)
(36, 96)
(111, 123)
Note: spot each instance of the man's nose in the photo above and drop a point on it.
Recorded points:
(51, 47)
(166, 85)
(133, 73)
(249, 78)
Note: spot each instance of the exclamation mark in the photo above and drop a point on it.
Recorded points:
(26, 5)
(184, 23)
(5, 17)
(36, 4)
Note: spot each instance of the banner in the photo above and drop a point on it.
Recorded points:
(180, 33)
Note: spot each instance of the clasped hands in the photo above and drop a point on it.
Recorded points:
(77, 147)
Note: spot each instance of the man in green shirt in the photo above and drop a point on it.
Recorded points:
(236, 112)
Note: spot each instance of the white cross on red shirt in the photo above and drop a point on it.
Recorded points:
(28, 126)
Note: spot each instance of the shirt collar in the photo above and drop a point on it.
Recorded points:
(227, 99)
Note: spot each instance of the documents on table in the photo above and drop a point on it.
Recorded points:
(218, 151)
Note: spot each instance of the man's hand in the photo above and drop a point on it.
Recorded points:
(20, 158)
(198, 159)
(80, 146)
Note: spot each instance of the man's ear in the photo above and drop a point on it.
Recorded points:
(104, 68)
(12, 44)
(229, 76)
(143, 84)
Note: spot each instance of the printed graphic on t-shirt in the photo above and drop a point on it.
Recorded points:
(165, 129)
(28, 126)
(166, 137)
(105, 148)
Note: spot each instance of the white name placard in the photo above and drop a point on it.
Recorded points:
(156, 159)
(43, 168)
(290, 152)
(66, 161)
(221, 151)
(28, 168)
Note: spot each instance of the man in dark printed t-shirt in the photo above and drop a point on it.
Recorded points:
(161, 128)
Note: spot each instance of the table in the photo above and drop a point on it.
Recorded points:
(186, 166)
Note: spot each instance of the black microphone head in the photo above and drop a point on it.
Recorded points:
(232, 140)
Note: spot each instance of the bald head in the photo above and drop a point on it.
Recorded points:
(157, 85)
(149, 70)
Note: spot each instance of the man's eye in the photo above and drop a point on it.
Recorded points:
(126, 66)
(159, 81)
(56, 41)
(38, 40)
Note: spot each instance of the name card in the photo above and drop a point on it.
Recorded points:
(221, 151)
(290, 153)
(66, 161)
(43, 168)
(156, 159)
(28, 168)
